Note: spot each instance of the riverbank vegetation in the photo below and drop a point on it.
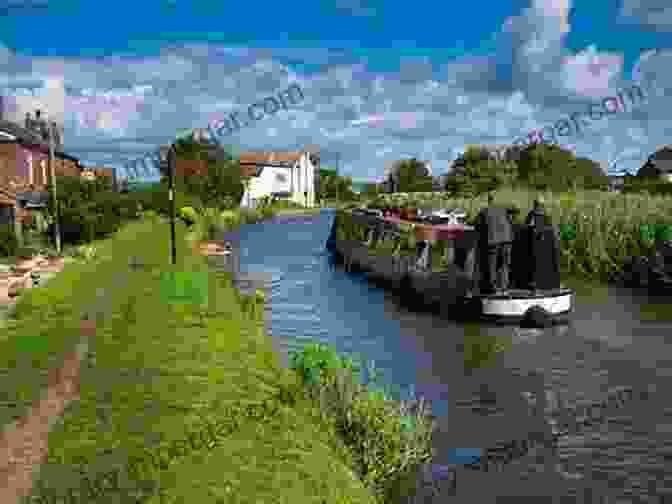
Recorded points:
(606, 227)
(162, 374)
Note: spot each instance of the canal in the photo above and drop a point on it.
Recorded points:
(616, 338)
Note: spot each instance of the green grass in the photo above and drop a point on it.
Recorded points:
(156, 371)
(160, 374)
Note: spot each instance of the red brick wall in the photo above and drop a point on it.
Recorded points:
(14, 167)
(8, 161)
(65, 167)
(190, 167)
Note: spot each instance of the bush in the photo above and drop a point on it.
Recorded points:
(8, 241)
(248, 216)
(266, 212)
(155, 198)
(188, 215)
(388, 439)
(78, 224)
(27, 251)
(283, 204)
(84, 221)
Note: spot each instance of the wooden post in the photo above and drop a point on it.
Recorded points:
(171, 196)
(52, 173)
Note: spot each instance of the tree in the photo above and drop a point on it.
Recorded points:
(412, 176)
(478, 170)
(333, 186)
(551, 167)
(372, 190)
(590, 174)
(215, 179)
(345, 192)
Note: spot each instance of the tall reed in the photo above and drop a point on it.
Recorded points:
(607, 224)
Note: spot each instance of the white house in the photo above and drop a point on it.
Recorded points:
(286, 175)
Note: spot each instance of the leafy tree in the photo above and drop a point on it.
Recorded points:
(551, 167)
(590, 174)
(333, 186)
(215, 178)
(326, 172)
(75, 191)
(478, 171)
(372, 190)
(412, 175)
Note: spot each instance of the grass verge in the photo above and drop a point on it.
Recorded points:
(160, 376)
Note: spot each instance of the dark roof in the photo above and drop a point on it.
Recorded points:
(29, 138)
(21, 133)
(659, 163)
(664, 154)
(67, 156)
(33, 199)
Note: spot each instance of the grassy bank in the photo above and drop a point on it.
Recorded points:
(297, 211)
(607, 224)
(181, 403)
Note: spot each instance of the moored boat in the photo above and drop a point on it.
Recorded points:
(457, 288)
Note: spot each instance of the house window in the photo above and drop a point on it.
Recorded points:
(43, 165)
(281, 177)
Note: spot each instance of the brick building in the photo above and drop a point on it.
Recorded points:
(24, 170)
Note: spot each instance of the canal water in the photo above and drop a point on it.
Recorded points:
(616, 338)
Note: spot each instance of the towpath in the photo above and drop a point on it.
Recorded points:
(24, 443)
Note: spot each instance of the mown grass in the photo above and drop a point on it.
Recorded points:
(608, 225)
(158, 372)
(53, 313)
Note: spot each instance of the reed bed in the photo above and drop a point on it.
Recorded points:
(608, 226)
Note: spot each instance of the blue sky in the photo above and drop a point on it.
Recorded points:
(382, 81)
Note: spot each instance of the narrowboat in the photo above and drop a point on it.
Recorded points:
(458, 287)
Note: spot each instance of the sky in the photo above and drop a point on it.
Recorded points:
(381, 81)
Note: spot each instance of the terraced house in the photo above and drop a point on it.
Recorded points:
(659, 165)
(24, 169)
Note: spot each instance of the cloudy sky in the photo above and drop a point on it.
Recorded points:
(381, 81)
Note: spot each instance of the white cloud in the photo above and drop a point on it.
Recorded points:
(121, 106)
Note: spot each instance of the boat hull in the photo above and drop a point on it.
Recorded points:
(557, 303)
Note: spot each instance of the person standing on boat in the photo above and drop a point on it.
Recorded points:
(662, 260)
(544, 249)
(537, 216)
(495, 231)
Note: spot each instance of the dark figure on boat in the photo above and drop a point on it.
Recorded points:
(544, 249)
(537, 216)
(495, 231)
